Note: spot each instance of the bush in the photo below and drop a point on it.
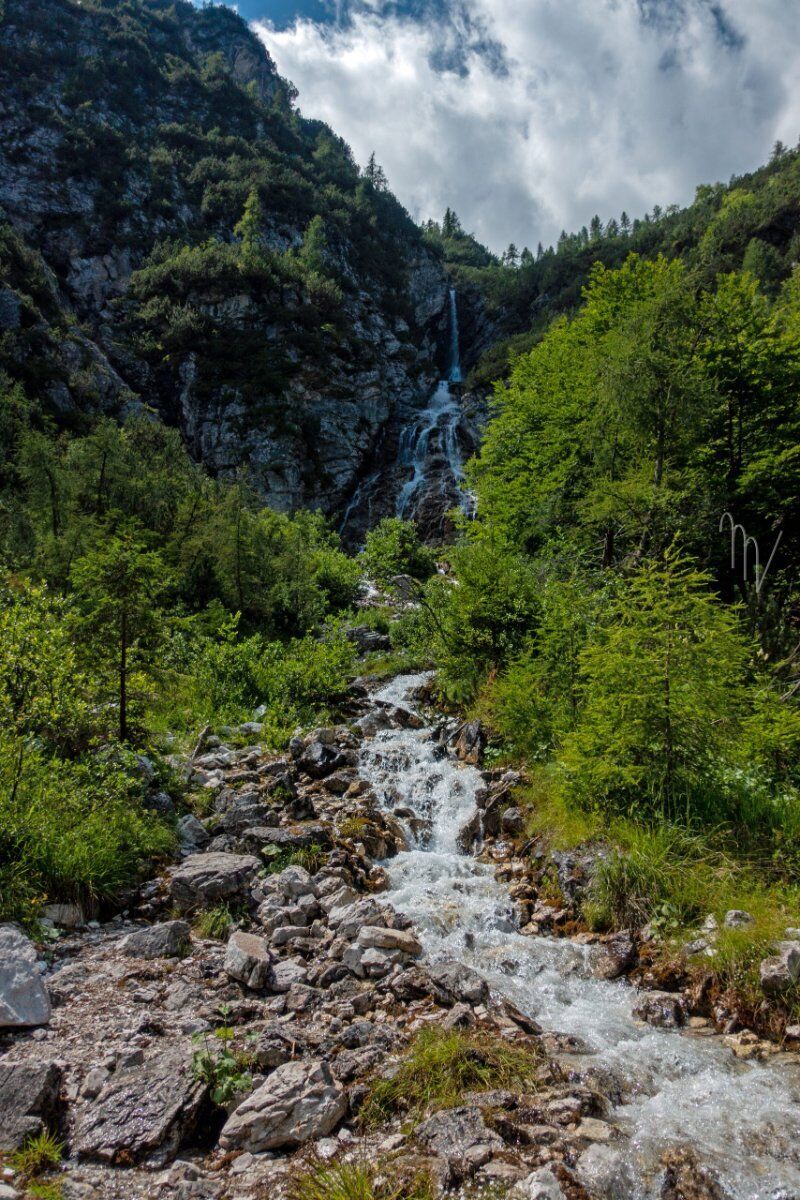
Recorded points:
(393, 547)
(71, 831)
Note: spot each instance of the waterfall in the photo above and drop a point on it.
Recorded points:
(455, 352)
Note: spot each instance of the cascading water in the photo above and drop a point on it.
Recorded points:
(740, 1118)
(438, 423)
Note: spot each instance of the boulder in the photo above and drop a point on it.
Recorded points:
(192, 834)
(23, 998)
(469, 742)
(782, 970)
(248, 960)
(512, 821)
(390, 939)
(541, 1184)
(461, 1137)
(686, 1179)
(294, 882)
(171, 939)
(454, 982)
(737, 918)
(367, 640)
(65, 916)
(28, 1101)
(666, 1010)
(300, 1102)
(145, 1112)
(288, 973)
(205, 879)
(318, 760)
(617, 956)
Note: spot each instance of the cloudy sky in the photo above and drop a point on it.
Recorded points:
(528, 116)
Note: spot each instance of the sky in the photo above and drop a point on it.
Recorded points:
(529, 116)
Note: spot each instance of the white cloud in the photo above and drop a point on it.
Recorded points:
(598, 105)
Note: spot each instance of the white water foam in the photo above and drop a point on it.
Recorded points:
(742, 1119)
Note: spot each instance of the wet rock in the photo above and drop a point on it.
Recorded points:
(205, 879)
(469, 742)
(28, 1101)
(23, 998)
(685, 1179)
(617, 956)
(455, 982)
(248, 960)
(192, 835)
(144, 1113)
(171, 939)
(666, 1010)
(782, 970)
(299, 1102)
(461, 1137)
(470, 833)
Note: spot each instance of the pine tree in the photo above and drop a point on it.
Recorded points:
(663, 692)
(249, 228)
(511, 256)
(375, 173)
(451, 226)
(117, 587)
(595, 229)
(625, 222)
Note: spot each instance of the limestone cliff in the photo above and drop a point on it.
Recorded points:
(131, 138)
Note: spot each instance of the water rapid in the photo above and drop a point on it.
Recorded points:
(676, 1088)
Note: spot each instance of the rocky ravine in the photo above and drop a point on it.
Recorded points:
(323, 986)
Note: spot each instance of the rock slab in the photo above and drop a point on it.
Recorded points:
(28, 1101)
(204, 879)
(145, 1112)
(299, 1102)
(23, 998)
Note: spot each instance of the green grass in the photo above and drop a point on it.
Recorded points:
(40, 1153)
(360, 1180)
(215, 922)
(46, 1189)
(440, 1067)
(312, 858)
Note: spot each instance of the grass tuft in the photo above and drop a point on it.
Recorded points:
(40, 1153)
(359, 1180)
(440, 1066)
(215, 922)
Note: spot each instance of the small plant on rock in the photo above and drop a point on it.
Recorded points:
(40, 1153)
(224, 1067)
(215, 922)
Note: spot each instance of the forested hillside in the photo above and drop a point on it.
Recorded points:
(751, 223)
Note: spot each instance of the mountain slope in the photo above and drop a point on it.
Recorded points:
(132, 139)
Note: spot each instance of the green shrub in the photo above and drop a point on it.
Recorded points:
(360, 1180)
(41, 1153)
(215, 922)
(78, 831)
(393, 547)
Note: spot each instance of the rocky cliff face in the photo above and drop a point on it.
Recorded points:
(131, 138)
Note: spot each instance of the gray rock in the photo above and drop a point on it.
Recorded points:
(617, 955)
(145, 1112)
(192, 834)
(66, 916)
(300, 1102)
(248, 960)
(541, 1184)
(28, 1101)
(294, 882)
(390, 939)
(171, 939)
(459, 983)
(666, 1010)
(779, 972)
(461, 1137)
(469, 742)
(319, 760)
(23, 998)
(204, 879)
(736, 918)
(512, 821)
(288, 973)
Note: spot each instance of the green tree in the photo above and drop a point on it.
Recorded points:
(393, 547)
(249, 228)
(663, 684)
(117, 588)
(314, 250)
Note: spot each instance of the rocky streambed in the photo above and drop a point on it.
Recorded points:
(174, 1064)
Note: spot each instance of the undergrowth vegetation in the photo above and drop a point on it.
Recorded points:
(440, 1066)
